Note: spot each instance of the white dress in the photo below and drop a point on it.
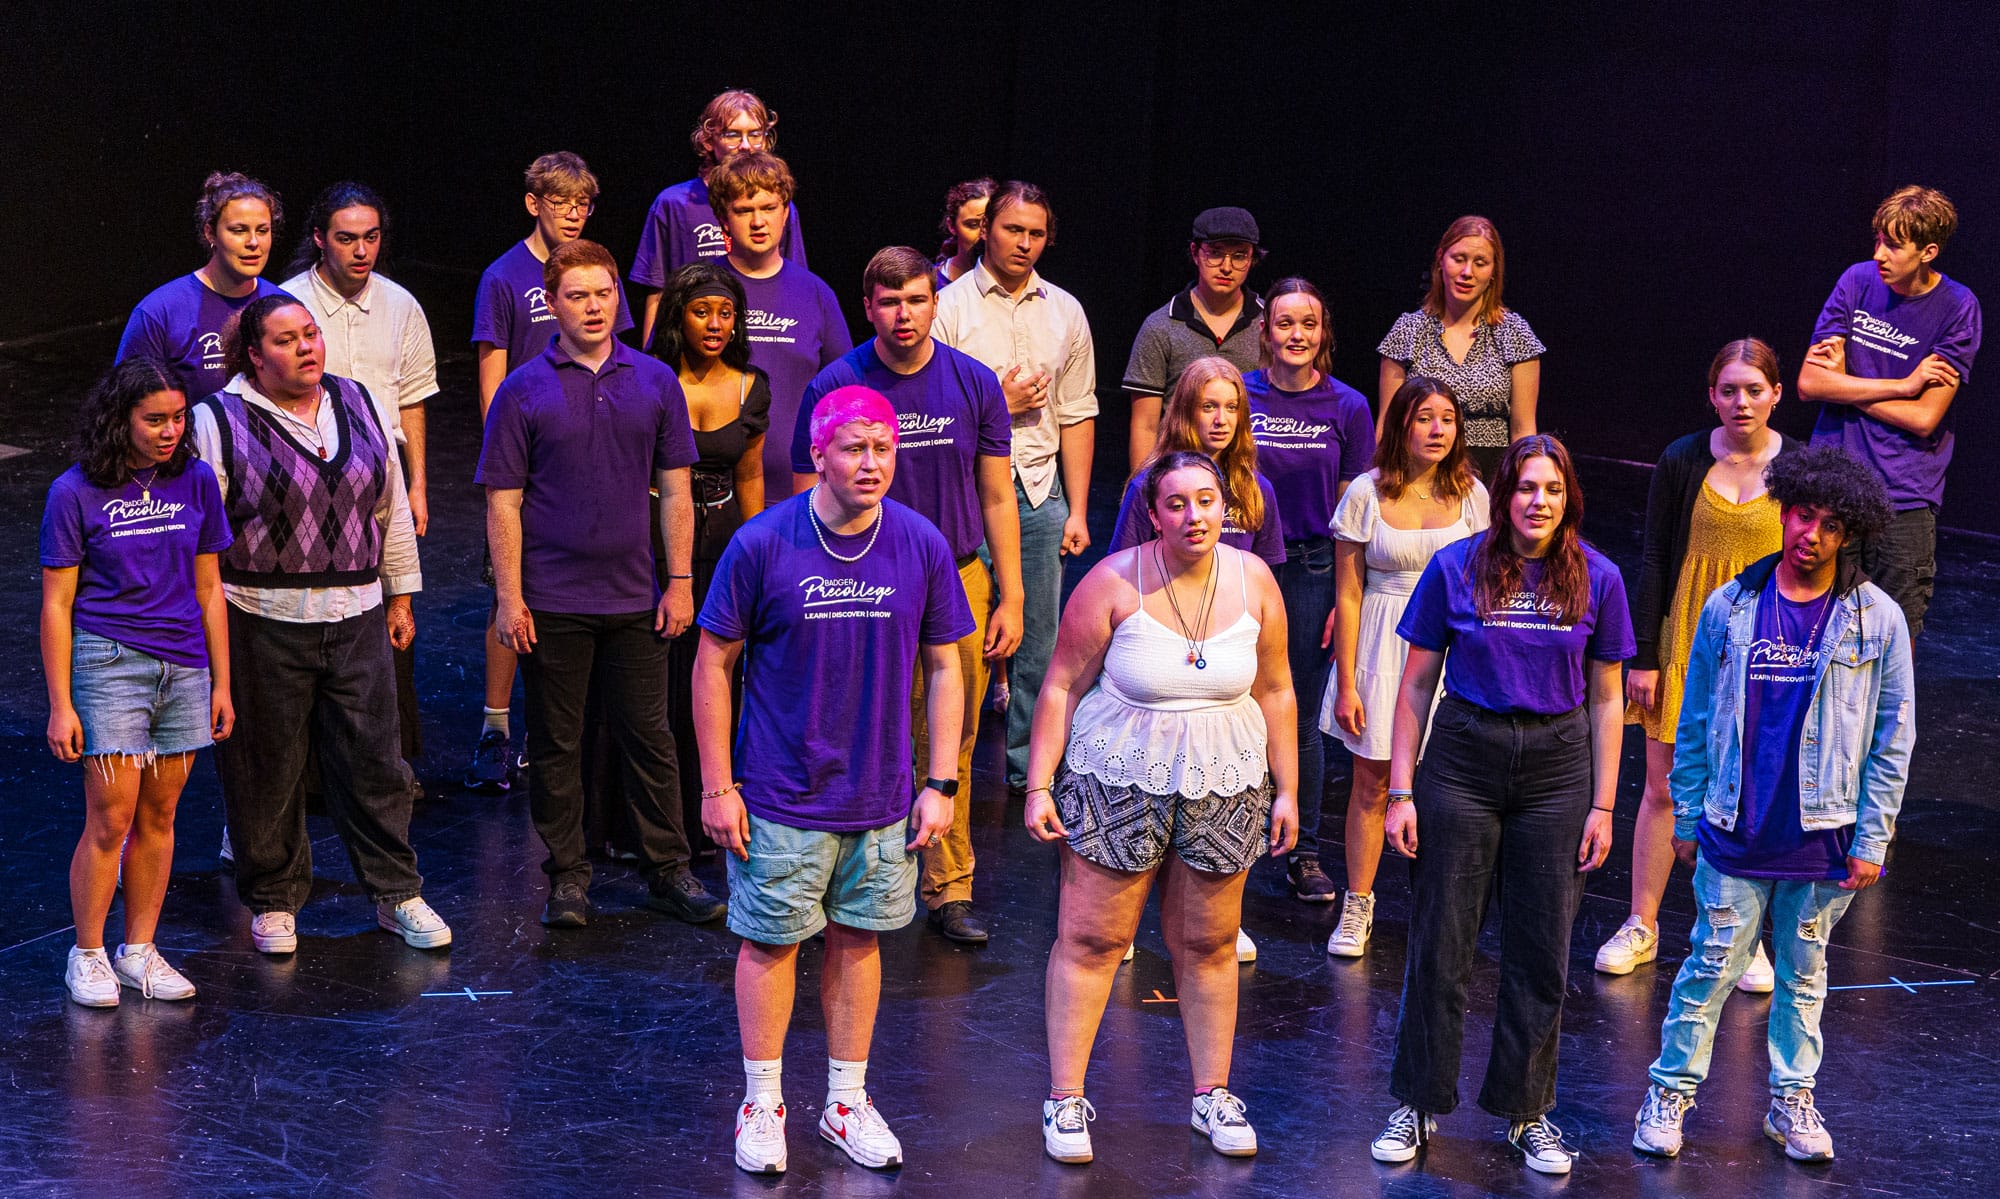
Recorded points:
(1396, 559)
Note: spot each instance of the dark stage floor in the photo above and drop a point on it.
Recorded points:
(605, 1061)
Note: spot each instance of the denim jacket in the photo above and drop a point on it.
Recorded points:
(1854, 751)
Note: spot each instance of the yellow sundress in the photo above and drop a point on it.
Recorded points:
(1722, 539)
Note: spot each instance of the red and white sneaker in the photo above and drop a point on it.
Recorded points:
(760, 1135)
(862, 1133)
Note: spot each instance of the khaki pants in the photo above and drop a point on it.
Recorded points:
(947, 873)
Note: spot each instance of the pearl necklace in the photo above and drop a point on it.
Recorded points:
(812, 514)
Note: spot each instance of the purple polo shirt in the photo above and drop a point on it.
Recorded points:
(795, 330)
(682, 228)
(582, 449)
(948, 415)
(1135, 526)
(1887, 335)
(830, 647)
(1308, 444)
(512, 308)
(181, 324)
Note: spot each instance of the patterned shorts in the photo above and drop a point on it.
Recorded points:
(1125, 828)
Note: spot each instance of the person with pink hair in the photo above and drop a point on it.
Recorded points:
(814, 799)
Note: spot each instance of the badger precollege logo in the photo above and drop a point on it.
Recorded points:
(1288, 432)
(837, 599)
(1775, 660)
(710, 241)
(538, 304)
(917, 430)
(1878, 334)
(1525, 610)
(141, 518)
(211, 351)
(769, 326)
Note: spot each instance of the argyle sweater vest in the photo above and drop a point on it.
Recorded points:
(301, 521)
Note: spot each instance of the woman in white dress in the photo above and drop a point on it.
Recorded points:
(1421, 497)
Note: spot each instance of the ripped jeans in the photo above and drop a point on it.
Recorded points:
(1725, 937)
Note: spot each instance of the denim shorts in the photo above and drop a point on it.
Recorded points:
(131, 703)
(797, 879)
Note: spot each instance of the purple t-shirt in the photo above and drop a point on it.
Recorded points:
(582, 448)
(512, 310)
(135, 556)
(1308, 444)
(795, 330)
(1768, 840)
(830, 649)
(681, 228)
(1135, 526)
(948, 415)
(1518, 659)
(181, 324)
(1887, 335)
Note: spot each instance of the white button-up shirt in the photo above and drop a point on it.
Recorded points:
(1041, 329)
(399, 573)
(380, 339)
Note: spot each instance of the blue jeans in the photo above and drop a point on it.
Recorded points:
(1499, 799)
(1725, 937)
(1305, 579)
(1041, 612)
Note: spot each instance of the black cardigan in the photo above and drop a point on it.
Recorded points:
(1670, 505)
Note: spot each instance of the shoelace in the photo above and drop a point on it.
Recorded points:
(97, 969)
(156, 970)
(1404, 1124)
(1353, 922)
(867, 1121)
(1225, 1109)
(1071, 1113)
(1804, 1116)
(1631, 936)
(761, 1119)
(417, 914)
(1666, 1108)
(1542, 1136)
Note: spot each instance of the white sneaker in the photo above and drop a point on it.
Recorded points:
(1794, 1122)
(1220, 1115)
(1657, 1127)
(1357, 923)
(1631, 946)
(146, 972)
(1130, 950)
(1409, 1130)
(415, 922)
(1541, 1143)
(1066, 1128)
(1246, 949)
(89, 978)
(274, 932)
(862, 1133)
(760, 1135)
(1758, 978)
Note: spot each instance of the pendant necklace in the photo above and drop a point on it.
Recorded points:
(812, 514)
(146, 485)
(1196, 656)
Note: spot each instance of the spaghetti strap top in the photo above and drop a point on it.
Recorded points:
(1157, 722)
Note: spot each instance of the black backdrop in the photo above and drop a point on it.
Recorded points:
(1667, 177)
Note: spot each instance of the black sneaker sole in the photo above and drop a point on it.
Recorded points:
(571, 919)
(680, 912)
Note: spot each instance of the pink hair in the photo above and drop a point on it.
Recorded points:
(846, 406)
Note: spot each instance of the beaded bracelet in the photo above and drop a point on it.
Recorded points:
(722, 791)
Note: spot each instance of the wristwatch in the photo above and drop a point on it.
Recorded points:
(945, 787)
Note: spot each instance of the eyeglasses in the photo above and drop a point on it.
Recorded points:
(564, 206)
(738, 137)
(1215, 256)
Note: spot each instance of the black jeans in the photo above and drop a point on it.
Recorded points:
(631, 664)
(338, 682)
(1902, 560)
(1501, 803)
(1305, 579)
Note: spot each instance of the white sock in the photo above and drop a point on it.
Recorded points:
(761, 1078)
(496, 721)
(128, 950)
(846, 1082)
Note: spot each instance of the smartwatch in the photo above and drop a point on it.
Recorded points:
(945, 787)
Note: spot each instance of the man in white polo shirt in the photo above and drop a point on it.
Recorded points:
(1035, 337)
(375, 333)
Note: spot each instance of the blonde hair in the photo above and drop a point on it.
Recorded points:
(1180, 431)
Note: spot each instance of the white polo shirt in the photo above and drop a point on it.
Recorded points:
(379, 339)
(1042, 329)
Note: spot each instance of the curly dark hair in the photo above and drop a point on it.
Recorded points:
(345, 194)
(104, 423)
(1830, 478)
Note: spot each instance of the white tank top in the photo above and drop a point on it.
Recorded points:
(1156, 722)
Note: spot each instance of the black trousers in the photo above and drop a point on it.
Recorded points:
(630, 664)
